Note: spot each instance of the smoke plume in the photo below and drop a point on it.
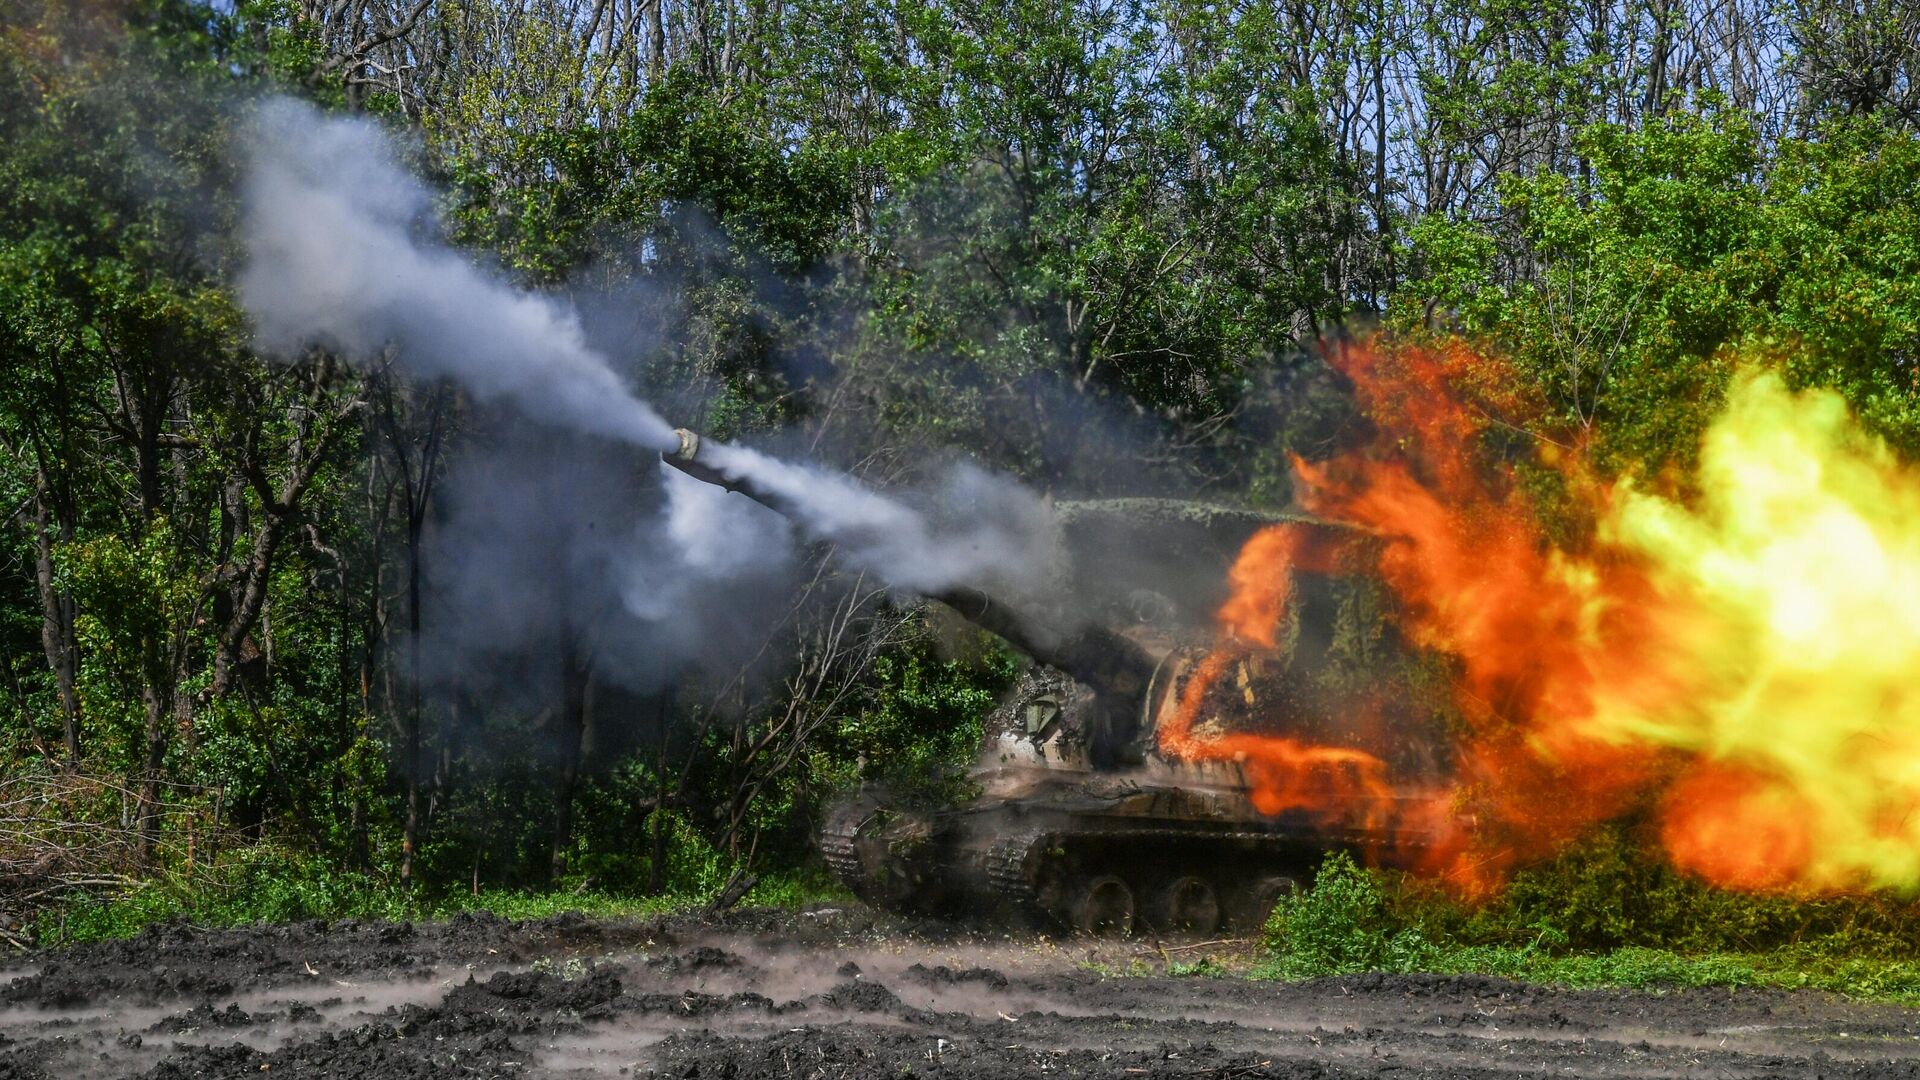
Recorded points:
(546, 537)
(340, 253)
(343, 252)
(974, 527)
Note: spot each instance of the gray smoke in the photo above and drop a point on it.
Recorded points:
(972, 527)
(712, 540)
(335, 258)
(546, 537)
(343, 252)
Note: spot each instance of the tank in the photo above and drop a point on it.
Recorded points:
(1083, 819)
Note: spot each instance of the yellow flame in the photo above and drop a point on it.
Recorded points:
(1792, 621)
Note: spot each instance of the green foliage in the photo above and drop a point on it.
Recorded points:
(522, 904)
(693, 866)
(134, 595)
(1341, 925)
(796, 889)
(918, 727)
(1606, 913)
(546, 195)
(259, 883)
(89, 919)
(1685, 248)
(1612, 890)
(268, 884)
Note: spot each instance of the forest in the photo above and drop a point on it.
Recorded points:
(302, 635)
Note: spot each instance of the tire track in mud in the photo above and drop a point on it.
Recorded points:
(843, 992)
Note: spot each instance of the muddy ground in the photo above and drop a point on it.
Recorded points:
(841, 992)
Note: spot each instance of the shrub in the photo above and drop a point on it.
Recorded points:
(1613, 891)
(261, 883)
(1604, 913)
(1340, 926)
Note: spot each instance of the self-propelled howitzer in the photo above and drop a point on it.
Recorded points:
(1081, 817)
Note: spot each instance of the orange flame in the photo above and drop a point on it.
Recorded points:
(1737, 666)
(1261, 577)
(1534, 630)
(1736, 828)
(1333, 785)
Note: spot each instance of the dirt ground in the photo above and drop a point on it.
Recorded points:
(842, 992)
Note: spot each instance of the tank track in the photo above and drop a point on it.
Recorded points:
(1013, 868)
(839, 835)
(1035, 871)
(1016, 865)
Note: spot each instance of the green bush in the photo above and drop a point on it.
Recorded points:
(89, 919)
(1613, 890)
(270, 884)
(1605, 913)
(261, 883)
(794, 889)
(918, 726)
(1340, 926)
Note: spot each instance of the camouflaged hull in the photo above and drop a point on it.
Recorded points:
(1154, 844)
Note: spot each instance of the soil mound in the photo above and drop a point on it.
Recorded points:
(696, 961)
(206, 1016)
(943, 975)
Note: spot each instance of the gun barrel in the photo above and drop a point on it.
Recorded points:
(686, 457)
(1095, 655)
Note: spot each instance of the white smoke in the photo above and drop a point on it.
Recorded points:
(973, 528)
(342, 253)
(543, 536)
(715, 536)
(334, 258)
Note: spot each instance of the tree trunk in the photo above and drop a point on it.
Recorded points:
(1383, 282)
(251, 601)
(416, 491)
(656, 41)
(158, 715)
(410, 836)
(150, 403)
(57, 634)
(1659, 54)
(576, 710)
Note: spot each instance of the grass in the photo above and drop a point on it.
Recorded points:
(273, 886)
(1352, 921)
(1872, 978)
(1868, 978)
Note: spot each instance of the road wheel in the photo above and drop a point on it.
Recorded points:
(1188, 905)
(1105, 908)
(1256, 900)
